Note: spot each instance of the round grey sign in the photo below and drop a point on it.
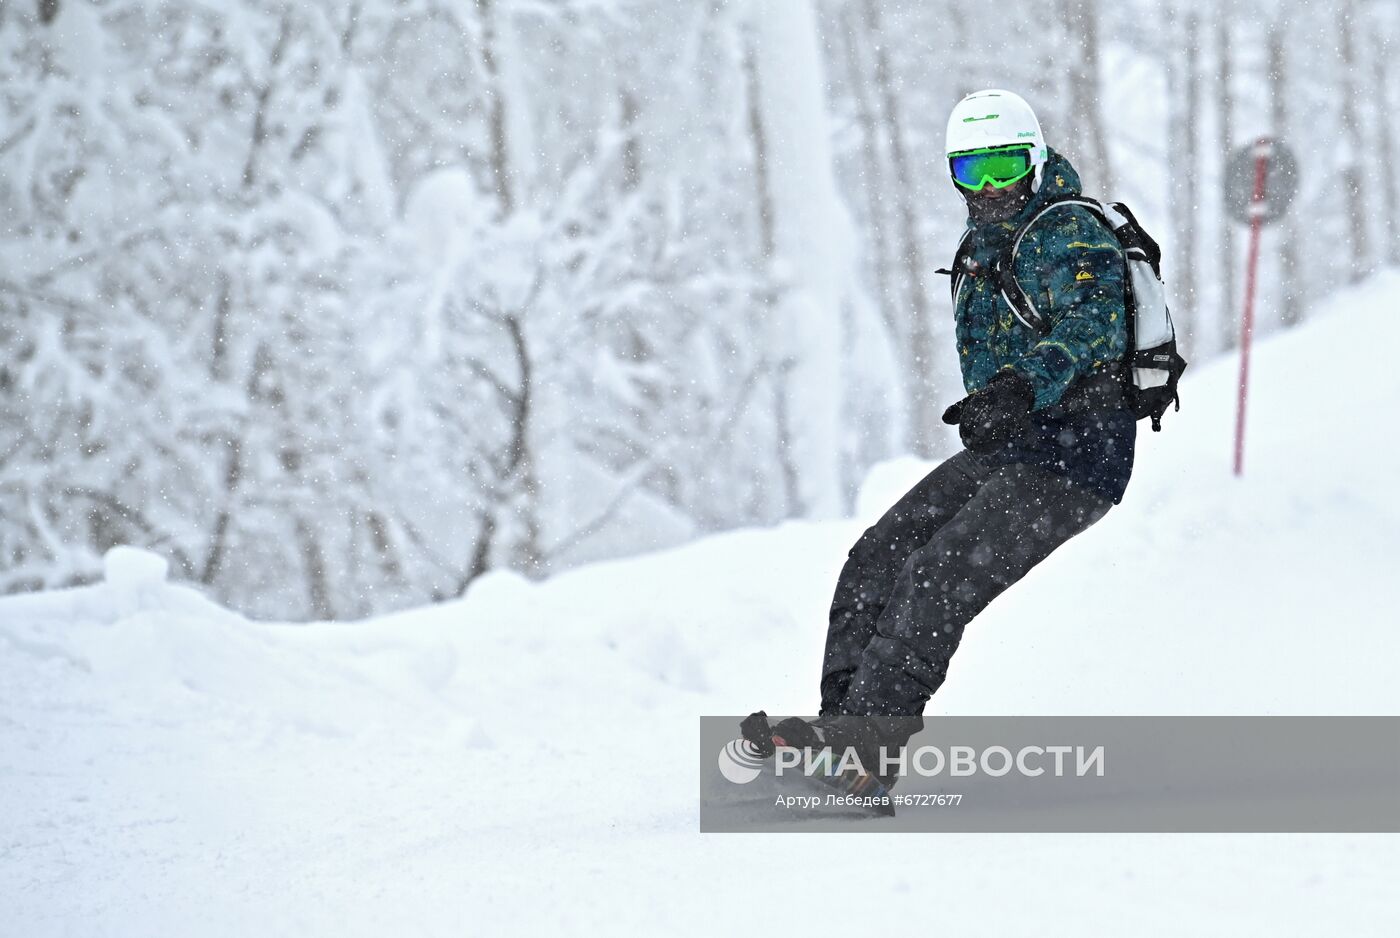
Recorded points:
(1280, 180)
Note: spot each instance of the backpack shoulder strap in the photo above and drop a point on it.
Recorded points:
(958, 272)
(1021, 305)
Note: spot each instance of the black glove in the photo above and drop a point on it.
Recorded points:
(999, 412)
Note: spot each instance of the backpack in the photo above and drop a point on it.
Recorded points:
(1152, 364)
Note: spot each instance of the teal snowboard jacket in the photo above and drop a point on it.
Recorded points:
(1072, 268)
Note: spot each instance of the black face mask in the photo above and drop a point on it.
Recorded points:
(1013, 198)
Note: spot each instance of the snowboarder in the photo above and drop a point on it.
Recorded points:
(1046, 426)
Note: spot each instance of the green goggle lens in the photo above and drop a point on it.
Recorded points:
(1001, 166)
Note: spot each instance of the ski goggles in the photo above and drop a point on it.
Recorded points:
(1001, 166)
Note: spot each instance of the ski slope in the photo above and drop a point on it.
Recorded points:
(522, 761)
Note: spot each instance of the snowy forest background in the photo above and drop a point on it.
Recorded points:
(339, 304)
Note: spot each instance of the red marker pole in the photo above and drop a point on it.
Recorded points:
(1262, 151)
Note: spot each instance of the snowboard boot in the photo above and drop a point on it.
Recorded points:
(837, 734)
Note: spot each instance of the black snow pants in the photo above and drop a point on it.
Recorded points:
(916, 577)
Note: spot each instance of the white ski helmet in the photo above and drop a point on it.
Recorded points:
(996, 118)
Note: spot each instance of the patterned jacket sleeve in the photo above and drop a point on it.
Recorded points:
(1076, 268)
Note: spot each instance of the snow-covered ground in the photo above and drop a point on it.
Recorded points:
(523, 761)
